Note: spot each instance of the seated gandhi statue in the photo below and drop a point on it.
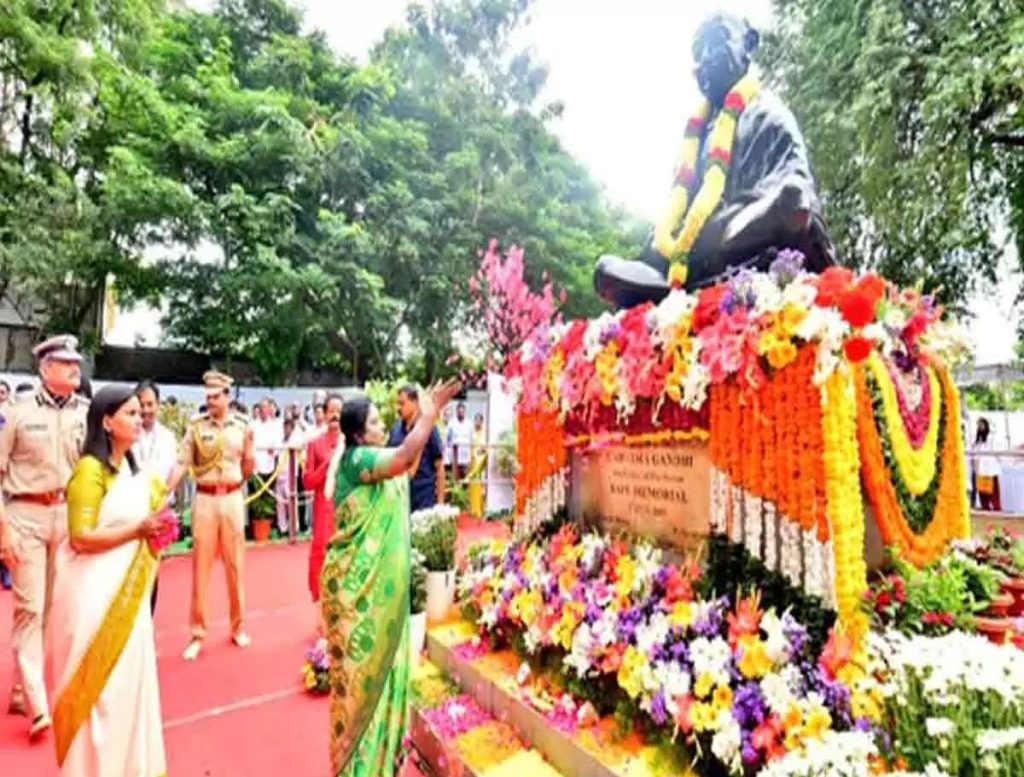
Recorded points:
(743, 190)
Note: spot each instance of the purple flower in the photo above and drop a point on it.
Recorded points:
(658, 711)
(748, 706)
(680, 652)
(787, 266)
(610, 332)
(592, 613)
(795, 632)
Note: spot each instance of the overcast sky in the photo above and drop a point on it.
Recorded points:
(622, 70)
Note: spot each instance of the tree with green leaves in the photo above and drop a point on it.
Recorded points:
(914, 112)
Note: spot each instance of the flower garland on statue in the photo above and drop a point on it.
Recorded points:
(683, 220)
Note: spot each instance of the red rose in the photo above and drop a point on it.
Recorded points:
(883, 601)
(857, 348)
(708, 307)
(914, 328)
(858, 308)
(872, 285)
(832, 284)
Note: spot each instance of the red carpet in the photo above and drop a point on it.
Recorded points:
(234, 712)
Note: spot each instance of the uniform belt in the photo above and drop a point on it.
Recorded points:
(217, 489)
(47, 498)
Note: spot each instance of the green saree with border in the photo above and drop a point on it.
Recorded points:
(365, 599)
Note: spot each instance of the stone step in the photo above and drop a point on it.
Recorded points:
(592, 751)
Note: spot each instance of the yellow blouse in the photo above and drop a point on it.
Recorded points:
(89, 483)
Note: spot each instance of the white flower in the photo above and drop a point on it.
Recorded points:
(725, 744)
(777, 690)
(652, 632)
(776, 645)
(579, 658)
(939, 727)
(992, 740)
(801, 293)
(711, 657)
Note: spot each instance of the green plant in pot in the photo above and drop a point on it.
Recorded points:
(263, 509)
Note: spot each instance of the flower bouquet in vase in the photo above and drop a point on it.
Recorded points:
(433, 535)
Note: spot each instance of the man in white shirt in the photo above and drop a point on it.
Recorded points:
(460, 435)
(267, 438)
(156, 450)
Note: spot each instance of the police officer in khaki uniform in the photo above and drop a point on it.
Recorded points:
(39, 446)
(218, 449)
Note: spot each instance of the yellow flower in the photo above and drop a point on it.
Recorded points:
(818, 722)
(630, 672)
(754, 661)
(626, 571)
(722, 699)
(702, 716)
(567, 579)
(526, 606)
(779, 351)
(564, 630)
(702, 687)
(309, 681)
(681, 615)
(792, 718)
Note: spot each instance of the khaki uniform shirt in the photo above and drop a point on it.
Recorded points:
(40, 442)
(215, 449)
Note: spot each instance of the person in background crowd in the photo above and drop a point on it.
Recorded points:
(442, 430)
(39, 446)
(237, 406)
(460, 440)
(23, 392)
(107, 712)
(479, 437)
(427, 483)
(987, 468)
(320, 419)
(290, 475)
(156, 449)
(314, 476)
(172, 401)
(5, 392)
(218, 447)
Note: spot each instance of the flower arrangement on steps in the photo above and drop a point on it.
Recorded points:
(805, 387)
(741, 686)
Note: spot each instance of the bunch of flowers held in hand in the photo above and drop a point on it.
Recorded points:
(315, 669)
(738, 682)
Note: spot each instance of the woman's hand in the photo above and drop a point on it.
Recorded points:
(437, 396)
(152, 526)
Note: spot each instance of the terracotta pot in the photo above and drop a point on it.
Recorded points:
(997, 630)
(1015, 588)
(261, 529)
(1000, 606)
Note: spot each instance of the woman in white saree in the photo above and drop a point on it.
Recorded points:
(106, 719)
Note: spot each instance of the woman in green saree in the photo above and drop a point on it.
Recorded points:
(365, 586)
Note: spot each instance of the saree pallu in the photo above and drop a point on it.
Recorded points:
(364, 592)
(106, 719)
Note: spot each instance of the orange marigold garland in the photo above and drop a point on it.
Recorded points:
(951, 517)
